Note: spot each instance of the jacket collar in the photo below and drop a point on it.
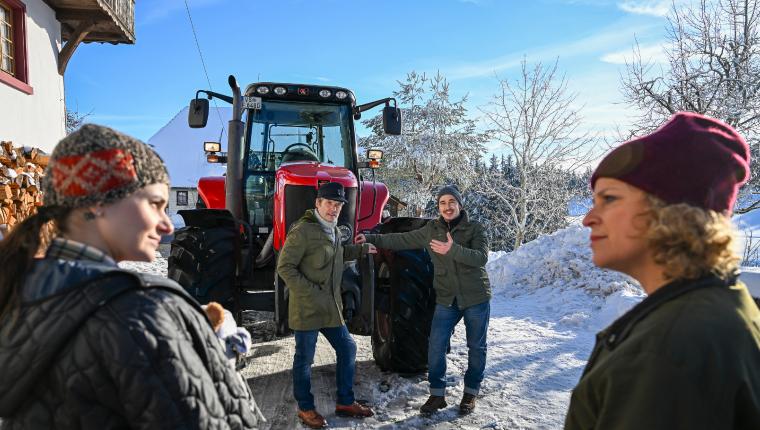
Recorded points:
(51, 276)
(462, 218)
(67, 249)
(310, 216)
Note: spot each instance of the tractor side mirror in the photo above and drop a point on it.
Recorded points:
(197, 115)
(392, 120)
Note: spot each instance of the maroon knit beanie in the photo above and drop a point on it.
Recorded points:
(690, 159)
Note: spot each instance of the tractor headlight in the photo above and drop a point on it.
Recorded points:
(280, 91)
(341, 94)
(346, 234)
(262, 90)
(325, 93)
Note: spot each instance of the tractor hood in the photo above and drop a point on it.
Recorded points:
(296, 189)
(314, 173)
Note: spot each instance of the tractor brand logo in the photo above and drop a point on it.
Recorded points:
(303, 91)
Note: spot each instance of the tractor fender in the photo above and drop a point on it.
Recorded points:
(372, 199)
(212, 192)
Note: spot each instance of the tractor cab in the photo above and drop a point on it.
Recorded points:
(302, 141)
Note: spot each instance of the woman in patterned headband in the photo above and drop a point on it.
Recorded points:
(85, 344)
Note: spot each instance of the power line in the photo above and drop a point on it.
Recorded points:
(203, 63)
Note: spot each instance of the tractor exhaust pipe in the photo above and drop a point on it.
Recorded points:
(234, 180)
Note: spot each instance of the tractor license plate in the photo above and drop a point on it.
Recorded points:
(252, 103)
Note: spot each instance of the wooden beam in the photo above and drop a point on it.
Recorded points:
(77, 37)
(81, 14)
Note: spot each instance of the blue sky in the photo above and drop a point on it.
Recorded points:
(360, 44)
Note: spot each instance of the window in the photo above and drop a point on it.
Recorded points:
(6, 40)
(181, 198)
(13, 67)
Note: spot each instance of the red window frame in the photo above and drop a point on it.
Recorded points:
(21, 80)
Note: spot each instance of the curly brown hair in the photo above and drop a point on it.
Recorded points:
(690, 242)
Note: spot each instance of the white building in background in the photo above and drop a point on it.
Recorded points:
(37, 39)
(181, 148)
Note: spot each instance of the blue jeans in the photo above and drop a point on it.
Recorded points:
(445, 319)
(345, 350)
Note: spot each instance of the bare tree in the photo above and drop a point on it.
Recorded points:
(74, 120)
(713, 68)
(534, 120)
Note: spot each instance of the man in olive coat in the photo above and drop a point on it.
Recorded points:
(311, 264)
(459, 251)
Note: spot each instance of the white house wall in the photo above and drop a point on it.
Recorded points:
(38, 119)
(192, 198)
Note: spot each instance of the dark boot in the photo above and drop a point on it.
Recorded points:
(433, 404)
(312, 419)
(356, 410)
(468, 404)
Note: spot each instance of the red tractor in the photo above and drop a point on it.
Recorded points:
(285, 140)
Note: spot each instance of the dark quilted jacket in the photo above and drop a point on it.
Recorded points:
(147, 358)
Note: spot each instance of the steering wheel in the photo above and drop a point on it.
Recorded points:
(298, 144)
(305, 154)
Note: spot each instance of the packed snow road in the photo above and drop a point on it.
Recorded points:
(548, 303)
(532, 365)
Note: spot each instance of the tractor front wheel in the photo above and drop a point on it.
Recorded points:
(405, 303)
(202, 260)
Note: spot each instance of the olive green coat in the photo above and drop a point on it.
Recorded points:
(687, 357)
(459, 274)
(312, 273)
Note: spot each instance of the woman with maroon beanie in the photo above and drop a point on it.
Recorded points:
(687, 356)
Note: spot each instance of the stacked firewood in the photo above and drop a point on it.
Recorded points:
(20, 172)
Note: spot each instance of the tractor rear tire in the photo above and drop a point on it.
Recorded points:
(202, 260)
(401, 332)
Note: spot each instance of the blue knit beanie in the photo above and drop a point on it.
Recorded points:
(451, 190)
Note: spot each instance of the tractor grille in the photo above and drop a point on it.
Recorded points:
(299, 198)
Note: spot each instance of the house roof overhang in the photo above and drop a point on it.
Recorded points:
(111, 21)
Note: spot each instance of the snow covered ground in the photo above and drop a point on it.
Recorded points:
(548, 303)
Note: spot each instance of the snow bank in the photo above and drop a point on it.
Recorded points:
(556, 273)
(560, 261)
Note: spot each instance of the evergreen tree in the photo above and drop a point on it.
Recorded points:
(439, 143)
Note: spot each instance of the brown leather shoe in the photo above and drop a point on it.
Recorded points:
(312, 419)
(467, 405)
(355, 410)
(432, 404)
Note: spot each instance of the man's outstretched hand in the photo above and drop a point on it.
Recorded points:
(442, 247)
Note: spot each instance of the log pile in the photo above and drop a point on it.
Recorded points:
(20, 172)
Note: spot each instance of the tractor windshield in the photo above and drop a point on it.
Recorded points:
(282, 132)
